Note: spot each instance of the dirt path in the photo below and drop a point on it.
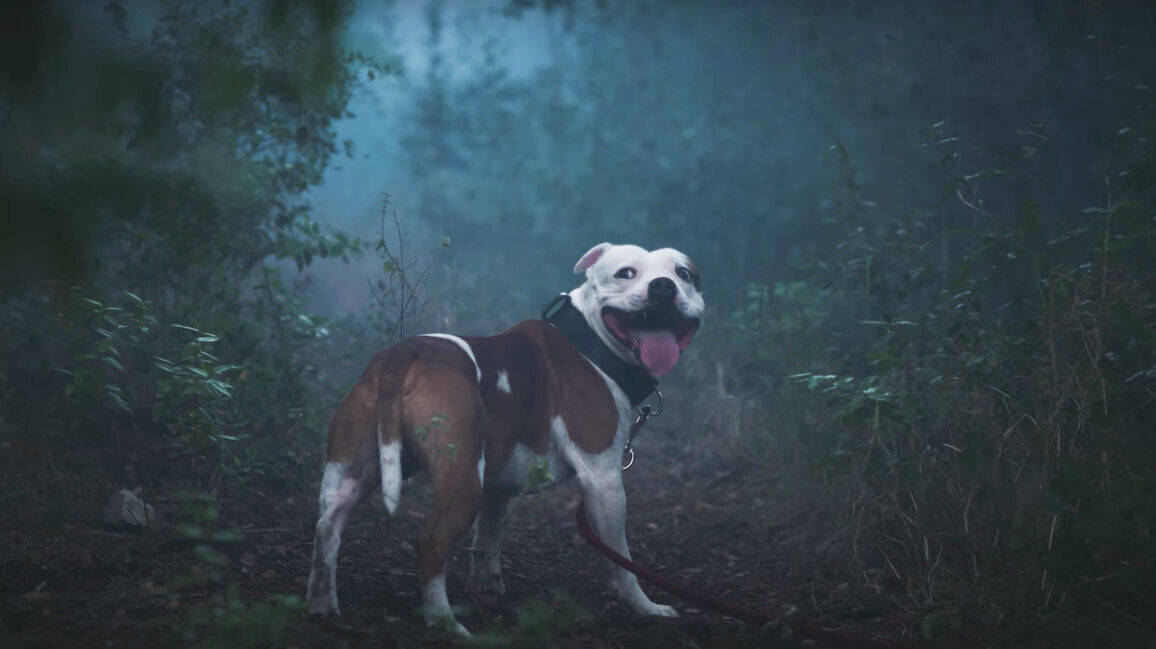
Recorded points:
(692, 516)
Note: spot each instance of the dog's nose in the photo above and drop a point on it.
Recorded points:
(661, 289)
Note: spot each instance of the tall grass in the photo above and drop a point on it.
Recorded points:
(970, 391)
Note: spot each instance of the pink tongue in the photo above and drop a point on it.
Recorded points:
(659, 351)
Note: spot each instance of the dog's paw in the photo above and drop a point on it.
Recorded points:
(449, 625)
(486, 584)
(322, 607)
(657, 610)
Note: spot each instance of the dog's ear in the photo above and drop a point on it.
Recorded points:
(591, 257)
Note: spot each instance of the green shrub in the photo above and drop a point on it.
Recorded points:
(971, 391)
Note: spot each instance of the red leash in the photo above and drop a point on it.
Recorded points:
(802, 628)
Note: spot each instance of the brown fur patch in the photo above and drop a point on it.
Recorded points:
(548, 378)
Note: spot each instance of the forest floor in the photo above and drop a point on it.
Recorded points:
(70, 581)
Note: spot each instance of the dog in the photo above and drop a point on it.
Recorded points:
(490, 417)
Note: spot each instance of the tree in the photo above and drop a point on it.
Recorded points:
(168, 151)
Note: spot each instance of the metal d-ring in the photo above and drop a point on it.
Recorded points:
(645, 412)
(661, 403)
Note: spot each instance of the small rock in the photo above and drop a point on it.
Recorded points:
(127, 508)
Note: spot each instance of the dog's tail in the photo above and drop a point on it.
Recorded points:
(389, 440)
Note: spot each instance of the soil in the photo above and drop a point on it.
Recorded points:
(70, 581)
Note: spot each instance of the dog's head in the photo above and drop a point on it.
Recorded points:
(645, 305)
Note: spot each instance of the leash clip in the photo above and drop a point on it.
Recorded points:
(644, 414)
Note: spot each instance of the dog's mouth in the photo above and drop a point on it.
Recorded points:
(655, 335)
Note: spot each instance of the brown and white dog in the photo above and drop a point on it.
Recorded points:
(488, 417)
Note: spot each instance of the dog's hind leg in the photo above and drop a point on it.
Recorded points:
(340, 491)
(485, 556)
(350, 472)
(456, 479)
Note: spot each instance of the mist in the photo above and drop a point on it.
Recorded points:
(707, 127)
(917, 410)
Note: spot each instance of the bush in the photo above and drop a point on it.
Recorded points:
(972, 393)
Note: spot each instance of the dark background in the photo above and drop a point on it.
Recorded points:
(921, 404)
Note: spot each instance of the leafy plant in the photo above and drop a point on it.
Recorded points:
(969, 388)
(537, 624)
(228, 619)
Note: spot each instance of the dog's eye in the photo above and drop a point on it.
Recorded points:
(684, 274)
(625, 273)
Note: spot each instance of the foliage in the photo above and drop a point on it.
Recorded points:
(537, 624)
(399, 295)
(228, 620)
(952, 361)
(183, 187)
(150, 238)
(971, 387)
(131, 364)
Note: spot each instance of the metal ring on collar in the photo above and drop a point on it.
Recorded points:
(657, 410)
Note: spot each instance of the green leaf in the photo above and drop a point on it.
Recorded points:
(189, 531)
(210, 556)
(119, 401)
(226, 536)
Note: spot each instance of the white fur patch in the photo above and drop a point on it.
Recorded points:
(434, 598)
(482, 465)
(390, 457)
(336, 488)
(436, 606)
(503, 382)
(465, 347)
(600, 479)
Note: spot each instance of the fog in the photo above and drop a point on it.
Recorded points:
(919, 406)
(528, 135)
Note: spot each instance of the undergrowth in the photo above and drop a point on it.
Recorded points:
(968, 389)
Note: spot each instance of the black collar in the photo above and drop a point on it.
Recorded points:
(635, 381)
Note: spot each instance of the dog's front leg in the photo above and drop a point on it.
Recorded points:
(605, 500)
